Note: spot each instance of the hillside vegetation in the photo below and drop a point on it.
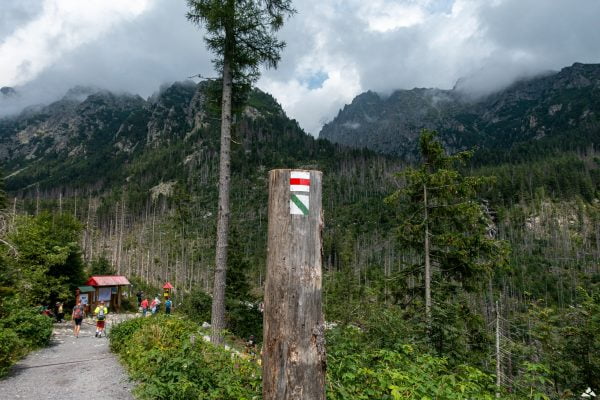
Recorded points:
(140, 178)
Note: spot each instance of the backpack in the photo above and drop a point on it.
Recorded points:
(168, 304)
(101, 316)
(78, 312)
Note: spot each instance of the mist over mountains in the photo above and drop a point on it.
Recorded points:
(562, 107)
(556, 110)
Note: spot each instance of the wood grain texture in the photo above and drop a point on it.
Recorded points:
(294, 358)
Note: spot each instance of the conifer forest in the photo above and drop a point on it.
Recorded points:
(460, 243)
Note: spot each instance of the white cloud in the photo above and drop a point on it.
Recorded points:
(313, 107)
(402, 44)
(62, 26)
(336, 48)
(383, 16)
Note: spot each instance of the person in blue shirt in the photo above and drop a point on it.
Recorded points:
(168, 306)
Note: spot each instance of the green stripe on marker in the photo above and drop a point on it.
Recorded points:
(299, 204)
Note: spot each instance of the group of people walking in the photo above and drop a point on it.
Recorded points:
(78, 314)
(154, 306)
(100, 312)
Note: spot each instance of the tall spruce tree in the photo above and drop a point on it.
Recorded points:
(241, 33)
(442, 218)
(3, 197)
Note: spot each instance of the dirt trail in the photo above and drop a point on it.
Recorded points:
(70, 368)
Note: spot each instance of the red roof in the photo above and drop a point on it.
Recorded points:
(114, 280)
(168, 286)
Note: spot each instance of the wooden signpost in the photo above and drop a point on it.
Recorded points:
(293, 336)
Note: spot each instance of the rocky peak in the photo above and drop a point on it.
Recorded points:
(80, 93)
(7, 91)
(531, 109)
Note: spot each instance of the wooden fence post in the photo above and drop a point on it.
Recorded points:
(293, 335)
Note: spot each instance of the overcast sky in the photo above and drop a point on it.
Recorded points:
(336, 49)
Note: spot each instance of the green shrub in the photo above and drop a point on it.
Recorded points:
(121, 334)
(197, 306)
(10, 347)
(243, 318)
(22, 329)
(33, 329)
(129, 304)
(357, 371)
(169, 358)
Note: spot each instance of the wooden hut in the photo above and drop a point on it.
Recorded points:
(108, 288)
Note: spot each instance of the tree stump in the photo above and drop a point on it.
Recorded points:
(294, 358)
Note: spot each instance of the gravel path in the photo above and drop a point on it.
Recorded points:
(70, 368)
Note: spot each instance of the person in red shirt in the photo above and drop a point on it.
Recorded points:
(144, 305)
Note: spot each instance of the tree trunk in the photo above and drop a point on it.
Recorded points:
(120, 240)
(427, 262)
(218, 303)
(498, 359)
(294, 358)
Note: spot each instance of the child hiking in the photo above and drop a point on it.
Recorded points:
(100, 313)
(60, 314)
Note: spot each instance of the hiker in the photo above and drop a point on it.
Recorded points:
(78, 314)
(251, 346)
(168, 305)
(154, 305)
(48, 312)
(100, 313)
(60, 314)
(158, 303)
(144, 305)
(139, 295)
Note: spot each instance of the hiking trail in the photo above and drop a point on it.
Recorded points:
(70, 368)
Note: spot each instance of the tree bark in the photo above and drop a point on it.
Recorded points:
(498, 359)
(218, 303)
(120, 240)
(427, 262)
(294, 359)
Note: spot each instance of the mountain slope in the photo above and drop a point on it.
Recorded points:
(123, 164)
(559, 110)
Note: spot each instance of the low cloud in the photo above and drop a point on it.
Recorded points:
(62, 26)
(136, 54)
(485, 45)
(336, 49)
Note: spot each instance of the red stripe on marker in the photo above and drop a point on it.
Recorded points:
(299, 181)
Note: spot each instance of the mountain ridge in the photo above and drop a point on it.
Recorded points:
(528, 111)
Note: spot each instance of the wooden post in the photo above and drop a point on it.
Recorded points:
(119, 294)
(293, 338)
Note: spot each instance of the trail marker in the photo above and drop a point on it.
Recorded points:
(299, 204)
(299, 192)
(299, 181)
